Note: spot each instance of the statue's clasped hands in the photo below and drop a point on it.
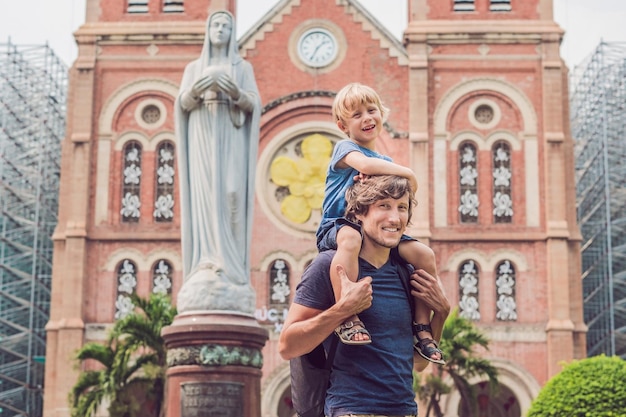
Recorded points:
(215, 80)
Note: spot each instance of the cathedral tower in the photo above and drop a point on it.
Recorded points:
(479, 110)
(489, 129)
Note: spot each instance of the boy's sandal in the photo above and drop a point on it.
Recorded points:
(350, 328)
(425, 346)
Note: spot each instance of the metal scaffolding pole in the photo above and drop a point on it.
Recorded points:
(33, 89)
(598, 117)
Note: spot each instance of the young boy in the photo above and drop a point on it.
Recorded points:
(360, 114)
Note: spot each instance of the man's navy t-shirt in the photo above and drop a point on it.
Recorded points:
(375, 378)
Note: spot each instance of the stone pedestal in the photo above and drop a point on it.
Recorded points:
(214, 365)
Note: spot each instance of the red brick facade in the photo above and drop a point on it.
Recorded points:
(450, 63)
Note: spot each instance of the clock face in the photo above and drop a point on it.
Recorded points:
(317, 47)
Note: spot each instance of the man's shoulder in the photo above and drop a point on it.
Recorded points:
(324, 258)
(314, 289)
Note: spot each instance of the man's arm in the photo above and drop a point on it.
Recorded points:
(375, 166)
(306, 327)
(428, 290)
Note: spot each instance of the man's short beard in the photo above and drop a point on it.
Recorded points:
(384, 244)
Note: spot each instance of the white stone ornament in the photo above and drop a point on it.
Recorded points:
(317, 47)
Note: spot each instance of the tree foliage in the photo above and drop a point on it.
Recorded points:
(459, 341)
(131, 365)
(593, 386)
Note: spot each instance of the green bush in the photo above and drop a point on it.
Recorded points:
(592, 387)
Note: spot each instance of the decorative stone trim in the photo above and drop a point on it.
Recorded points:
(487, 104)
(297, 96)
(377, 31)
(215, 355)
(258, 31)
(395, 134)
(115, 100)
(141, 107)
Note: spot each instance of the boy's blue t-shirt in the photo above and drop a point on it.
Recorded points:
(338, 181)
(375, 378)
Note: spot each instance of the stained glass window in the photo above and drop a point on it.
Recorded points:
(164, 193)
(506, 307)
(468, 184)
(468, 291)
(279, 290)
(131, 182)
(126, 285)
(502, 177)
(162, 277)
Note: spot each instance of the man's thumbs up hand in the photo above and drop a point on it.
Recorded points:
(355, 296)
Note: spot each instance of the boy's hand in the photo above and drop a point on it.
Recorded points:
(360, 177)
(428, 290)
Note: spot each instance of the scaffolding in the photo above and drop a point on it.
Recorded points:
(598, 117)
(33, 89)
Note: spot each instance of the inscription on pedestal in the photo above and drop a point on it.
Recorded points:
(211, 399)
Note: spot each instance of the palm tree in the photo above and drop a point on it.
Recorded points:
(93, 387)
(458, 342)
(132, 361)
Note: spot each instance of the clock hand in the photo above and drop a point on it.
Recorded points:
(325, 41)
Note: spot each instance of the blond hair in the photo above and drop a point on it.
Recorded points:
(362, 194)
(353, 95)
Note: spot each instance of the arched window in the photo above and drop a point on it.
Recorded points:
(464, 6)
(173, 6)
(137, 6)
(162, 277)
(468, 291)
(505, 292)
(126, 284)
(468, 184)
(278, 303)
(131, 182)
(502, 176)
(500, 5)
(164, 192)
(279, 283)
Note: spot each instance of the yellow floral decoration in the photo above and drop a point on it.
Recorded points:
(304, 177)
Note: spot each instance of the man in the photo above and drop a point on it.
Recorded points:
(374, 379)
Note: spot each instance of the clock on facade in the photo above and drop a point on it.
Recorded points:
(317, 47)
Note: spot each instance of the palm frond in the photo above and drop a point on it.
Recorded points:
(96, 351)
(88, 402)
(87, 380)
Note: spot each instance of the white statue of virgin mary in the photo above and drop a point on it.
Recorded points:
(217, 125)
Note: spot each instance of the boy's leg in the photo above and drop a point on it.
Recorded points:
(347, 255)
(422, 257)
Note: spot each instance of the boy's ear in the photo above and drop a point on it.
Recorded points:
(341, 126)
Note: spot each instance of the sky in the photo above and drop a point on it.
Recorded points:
(52, 22)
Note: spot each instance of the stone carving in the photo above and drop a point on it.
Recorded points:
(215, 355)
(224, 399)
(217, 126)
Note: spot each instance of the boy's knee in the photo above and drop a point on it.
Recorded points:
(349, 238)
(427, 252)
(418, 254)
